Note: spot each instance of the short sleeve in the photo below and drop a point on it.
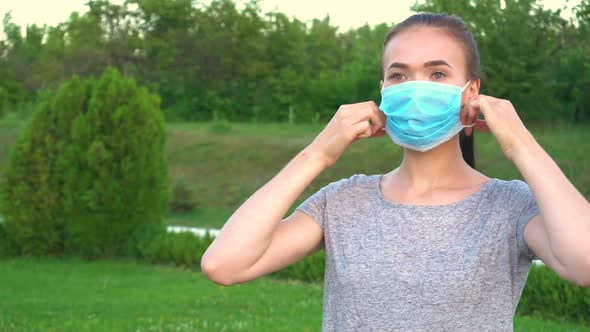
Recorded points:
(315, 206)
(526, 208)
(331, 199)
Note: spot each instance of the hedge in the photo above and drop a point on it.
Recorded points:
(548, 295)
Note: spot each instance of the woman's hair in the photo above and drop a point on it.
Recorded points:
(456, 28)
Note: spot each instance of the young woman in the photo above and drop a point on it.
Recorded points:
(433, 244)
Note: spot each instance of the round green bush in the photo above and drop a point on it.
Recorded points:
(183, 197)
(88, 170)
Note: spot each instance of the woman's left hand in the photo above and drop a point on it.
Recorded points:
(500, 119)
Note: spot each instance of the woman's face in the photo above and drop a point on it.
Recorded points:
(425, 54)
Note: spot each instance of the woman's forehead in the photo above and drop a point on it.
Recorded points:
(419, 45)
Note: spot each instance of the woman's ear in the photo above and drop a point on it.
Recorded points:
(473, 89)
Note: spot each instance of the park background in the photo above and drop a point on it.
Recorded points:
(207, 101)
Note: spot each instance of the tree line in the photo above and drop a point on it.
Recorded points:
(228, 61)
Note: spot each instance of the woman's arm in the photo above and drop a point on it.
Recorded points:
(560, 236)
(254, 241)
(248, 233)
(565, 214)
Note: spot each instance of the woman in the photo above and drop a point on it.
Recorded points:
(434, 244)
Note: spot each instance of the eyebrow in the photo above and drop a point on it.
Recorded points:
(437, 63)
(426, 64)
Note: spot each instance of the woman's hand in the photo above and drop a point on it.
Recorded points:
(501, 120)
(559, 235)
(350, 123)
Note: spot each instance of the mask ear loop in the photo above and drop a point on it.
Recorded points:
(465, 87)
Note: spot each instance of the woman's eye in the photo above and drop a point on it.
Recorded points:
(439, 75)
(396, 76)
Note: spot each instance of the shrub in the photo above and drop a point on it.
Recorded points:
(220, 127)
(88, 170)
(157, 251)
(139, 242)
(549, 295)
(310, 269)
(32, 195)
(156, 245)
(185, 248)
(117, 167)
(183, 197)
(7, 246)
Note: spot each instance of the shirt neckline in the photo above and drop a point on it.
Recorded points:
(484, 188)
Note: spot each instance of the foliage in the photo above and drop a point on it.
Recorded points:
(234, 62)
(310, 269)
(220, 127)
(154, 244)
(547, 294)
(31, 194)
(89, 169)
(7, 247)
(542, 75)
(183, 198)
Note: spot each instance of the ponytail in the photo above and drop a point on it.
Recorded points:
(467, 147)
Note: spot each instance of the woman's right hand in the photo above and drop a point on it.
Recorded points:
(243, 252)
(350, 123)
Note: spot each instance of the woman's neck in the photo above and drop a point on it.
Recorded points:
(442, 166)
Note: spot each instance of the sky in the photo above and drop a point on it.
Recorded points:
(344, 14)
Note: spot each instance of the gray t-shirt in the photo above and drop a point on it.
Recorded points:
(397, 267)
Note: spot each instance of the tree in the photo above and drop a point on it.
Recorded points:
(520, 44)
(223, 60)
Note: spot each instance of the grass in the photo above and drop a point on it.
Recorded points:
(53, 295)
(224, 168)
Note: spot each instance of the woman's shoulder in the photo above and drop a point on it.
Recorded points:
(357, 182)
(512, 185)
(513, 190)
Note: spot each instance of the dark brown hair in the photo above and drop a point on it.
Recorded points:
(457, 28)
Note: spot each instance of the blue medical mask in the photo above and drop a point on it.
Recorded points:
(421, 115)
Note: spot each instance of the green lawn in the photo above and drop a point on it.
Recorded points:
(50, 295)
(225, 168)
(53, 295)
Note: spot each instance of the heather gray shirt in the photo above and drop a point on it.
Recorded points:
(396, 267)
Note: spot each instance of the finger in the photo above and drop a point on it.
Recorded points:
(361, 129)
(481, 125)
(486, 109)
(368, 132)
(379, 125)
(371, 112)
(381, 117)
(468, 131)
(378, 133)
(484, 103)
(469, 112)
